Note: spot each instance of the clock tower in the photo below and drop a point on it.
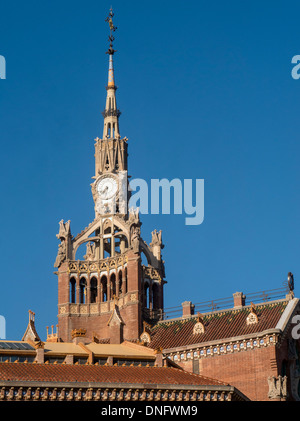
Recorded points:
(106, 293)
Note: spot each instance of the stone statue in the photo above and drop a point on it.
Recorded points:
(135, 238)
(90, 251)
(156, 244)
(64, 236)
(277, 387)
(64, 229)
(61, 255)
(291, 281)
(156, 239)
(134, 217)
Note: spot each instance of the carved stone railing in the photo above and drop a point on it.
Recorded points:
(151, 273)
(81, 391)
(94, 309)
(86, 266)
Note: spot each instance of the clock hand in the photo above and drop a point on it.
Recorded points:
(104, 191)
(105, 188)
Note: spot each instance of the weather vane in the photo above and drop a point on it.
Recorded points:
(112, 28)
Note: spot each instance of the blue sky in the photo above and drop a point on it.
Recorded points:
(205, 91)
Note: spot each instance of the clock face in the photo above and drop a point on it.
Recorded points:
(107, 187)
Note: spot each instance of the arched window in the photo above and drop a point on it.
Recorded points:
(121, 242)
(144, 259)
(155, 295)
(107, 247)
(93, 294)
(82, 292)
(120, 283)
(103, 288)
(146, 294)
(113, 285)
(72, 290)
(125, 284)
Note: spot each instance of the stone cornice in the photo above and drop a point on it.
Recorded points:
(74, 391)
(219, 347)
(269, 332)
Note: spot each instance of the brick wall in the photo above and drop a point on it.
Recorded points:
(247, 370)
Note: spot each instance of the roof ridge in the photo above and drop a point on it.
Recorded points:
(215, 312)
(219, 326)
(198, 375)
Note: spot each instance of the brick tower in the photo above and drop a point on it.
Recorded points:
(107, 294)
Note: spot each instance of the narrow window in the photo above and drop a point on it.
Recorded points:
(93, 297)
(120, 283)
(72, 290)
(113, 284)
(155, 296)
(146, 295)
(82, 295)
(103, 289)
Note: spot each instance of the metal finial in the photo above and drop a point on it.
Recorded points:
(112, 29)
(291, 281)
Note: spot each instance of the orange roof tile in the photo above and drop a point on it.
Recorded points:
(101, 374)
(217, 326)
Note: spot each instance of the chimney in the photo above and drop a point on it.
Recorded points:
(187, 309)
(78, 336)
(69, 359)
(40, 352)
(40, 355)
(110, 360)
(239, 299)
(159, 362)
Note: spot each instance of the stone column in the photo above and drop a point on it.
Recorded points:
(101, 248)
(98, 300)
(112, 246)
(88, 289)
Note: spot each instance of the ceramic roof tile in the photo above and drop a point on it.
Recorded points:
(101, 374)
(217, 326)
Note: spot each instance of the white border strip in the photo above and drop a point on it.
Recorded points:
(287, 314)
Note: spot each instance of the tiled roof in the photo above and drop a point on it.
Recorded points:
(22, 372)
(125, 349)
(217, 326)
(118, 350)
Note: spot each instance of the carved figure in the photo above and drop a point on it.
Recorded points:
(134, 216)
(156, 238)
(64, 229)
(61, 255)
(135, 238)
(90, 251)
(277, 387)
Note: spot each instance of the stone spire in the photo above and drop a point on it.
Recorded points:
(31, 333)
(111, 113)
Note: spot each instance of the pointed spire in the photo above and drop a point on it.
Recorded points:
(111, 77)
(111, 113)
(31, 333)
